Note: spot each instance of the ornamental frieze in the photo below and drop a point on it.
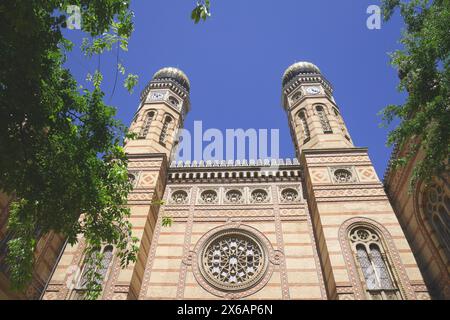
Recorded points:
(338, 159)
(350, 192)
(144, 164)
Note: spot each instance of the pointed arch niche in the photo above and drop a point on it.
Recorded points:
(373, 263)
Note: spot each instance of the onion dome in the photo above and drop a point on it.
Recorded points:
(174, 74)
(298, 68)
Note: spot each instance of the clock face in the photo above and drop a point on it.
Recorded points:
(313, 90)
(157, 96)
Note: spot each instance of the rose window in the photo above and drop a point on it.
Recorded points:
(233, 196)
(233, 260)
(289, 195)
(209, 196)
(259, 196)
(179, 197)
(342, 176)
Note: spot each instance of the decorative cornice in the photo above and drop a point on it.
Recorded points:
(312, 78)
(235, 163)
(235, 171)
(333, 151)
(149, 155)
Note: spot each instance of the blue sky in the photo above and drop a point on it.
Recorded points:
(236, 59)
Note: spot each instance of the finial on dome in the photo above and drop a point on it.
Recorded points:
(302, 67)
(174, 74)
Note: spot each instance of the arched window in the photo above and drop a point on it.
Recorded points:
(99, 268)
(147, 122)
(165, 130)
(106, 261)
(436, 208)
(304, 123)
(373, 264)
(323, 119)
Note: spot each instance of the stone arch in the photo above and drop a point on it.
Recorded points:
(392, 253)
(426, 229)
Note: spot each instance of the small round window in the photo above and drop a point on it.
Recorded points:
(233, 196)
(259, 196)
(179, 197)
(289, 195)
(209, 196)
(342, 176)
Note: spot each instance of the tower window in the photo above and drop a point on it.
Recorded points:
(323, 120)
(296, 96)
(146, 127)
(304, 123)
(174, 101)
(100, 267)
(165, 130)
(342, 176)
(373, 264)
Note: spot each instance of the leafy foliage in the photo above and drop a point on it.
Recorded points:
(60, 148)
(202, 11)
(424, 71)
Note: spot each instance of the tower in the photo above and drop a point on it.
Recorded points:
(363, 251)
(163, 106)
(161, 112)
(313, 114)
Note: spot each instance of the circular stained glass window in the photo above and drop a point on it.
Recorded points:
(233, 260)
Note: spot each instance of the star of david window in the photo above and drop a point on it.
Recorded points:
(209, 196)
(289, 195)
(259, 196)
(343, 176)
(179, 197)
(233, 260)
(233, 196)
